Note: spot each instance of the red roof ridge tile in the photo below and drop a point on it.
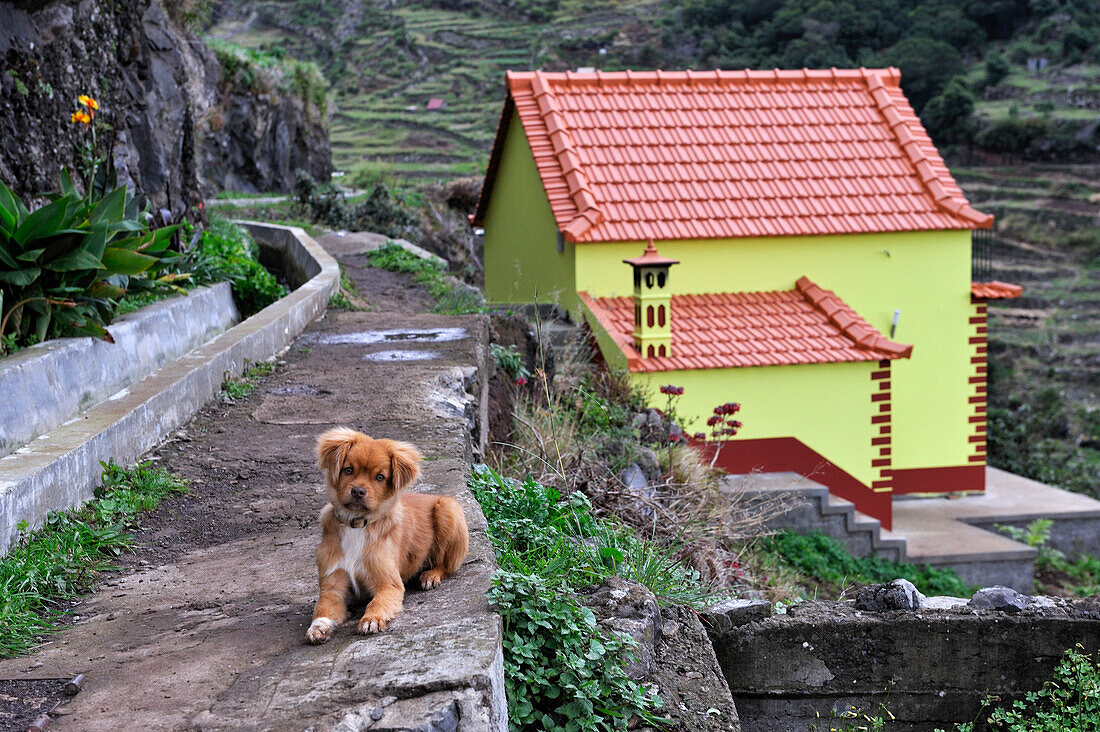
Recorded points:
(912, 139)
(995, 290)
(848, 321)
(588, 214)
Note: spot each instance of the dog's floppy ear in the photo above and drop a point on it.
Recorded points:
(332, 446)
(404, 465)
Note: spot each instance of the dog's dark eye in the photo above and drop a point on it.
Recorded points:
(348, 470)
(379, 477)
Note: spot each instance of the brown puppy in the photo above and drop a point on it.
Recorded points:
(375, 537)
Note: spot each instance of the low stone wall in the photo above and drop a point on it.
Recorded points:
(45, 385)
(61, 468)
(929, 667)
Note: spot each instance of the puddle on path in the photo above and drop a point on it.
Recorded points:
(401, 355)
(406, 335)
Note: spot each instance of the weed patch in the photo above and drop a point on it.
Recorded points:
(450, 300)
(62, 560)
(562, 672)
(825, 560)
(347, 297)
(235, 388)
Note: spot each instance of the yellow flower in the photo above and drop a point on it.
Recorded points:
(88, 102)
(81, 116)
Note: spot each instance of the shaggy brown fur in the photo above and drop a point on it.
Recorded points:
(374, 536)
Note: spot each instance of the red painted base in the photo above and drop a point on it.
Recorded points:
(940, 480)
(783, 454)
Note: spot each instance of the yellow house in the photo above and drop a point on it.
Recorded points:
(790, 240)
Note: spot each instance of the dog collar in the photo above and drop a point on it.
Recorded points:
(356, 523)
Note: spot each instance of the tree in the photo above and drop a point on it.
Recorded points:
(996, 68)
(926, 65)
(947, 115)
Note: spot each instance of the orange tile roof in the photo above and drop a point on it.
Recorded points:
(631, 156)
(805, 325)
(994, 290)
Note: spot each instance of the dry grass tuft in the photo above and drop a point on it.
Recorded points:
(577, 434)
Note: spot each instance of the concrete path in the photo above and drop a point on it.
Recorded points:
(208, 632)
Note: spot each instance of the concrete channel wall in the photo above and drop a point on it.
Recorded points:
(46, 384)
(60, 468)
(930, 668)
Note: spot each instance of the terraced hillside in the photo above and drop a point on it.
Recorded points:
(387, 61)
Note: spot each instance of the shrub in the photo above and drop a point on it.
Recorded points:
(64, 266)
(227, 251)
(825, 559)
(382, 212)
(563, 672)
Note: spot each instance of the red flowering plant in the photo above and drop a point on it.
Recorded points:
(723, 426)
(672, 432)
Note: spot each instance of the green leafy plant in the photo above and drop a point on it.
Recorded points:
(826, 560)
(562, 671)
(1069, 702)
(510, 362)
(226, 251)
(65, 266)
(63, 558)
(1080, 576)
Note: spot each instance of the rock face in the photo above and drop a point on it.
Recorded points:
(175, 127)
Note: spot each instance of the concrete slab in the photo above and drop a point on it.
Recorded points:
(46, 384)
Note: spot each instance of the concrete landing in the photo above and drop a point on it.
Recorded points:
(958, 532)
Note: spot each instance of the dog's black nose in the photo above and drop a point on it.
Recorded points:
(358, 492)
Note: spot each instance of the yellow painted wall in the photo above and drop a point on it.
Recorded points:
(826, 406)
(926, 275)
(522, 262)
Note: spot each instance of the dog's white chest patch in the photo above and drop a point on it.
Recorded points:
(351, 545)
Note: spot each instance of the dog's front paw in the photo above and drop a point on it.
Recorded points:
(320, 630)
(431, 578)
(372, 624)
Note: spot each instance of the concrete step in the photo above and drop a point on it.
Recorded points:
(949, 532)
(814, 509)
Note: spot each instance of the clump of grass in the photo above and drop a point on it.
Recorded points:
(450, 299)
(825, 560)
(235, 388)
(347, 297)
(562, 671)
(64, 558)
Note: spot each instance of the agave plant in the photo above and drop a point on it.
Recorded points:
(64, 266)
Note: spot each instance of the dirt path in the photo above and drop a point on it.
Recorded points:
(207, 629)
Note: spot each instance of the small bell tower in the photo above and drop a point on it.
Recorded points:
(652, 302)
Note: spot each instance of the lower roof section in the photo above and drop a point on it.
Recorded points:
(806, 324)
